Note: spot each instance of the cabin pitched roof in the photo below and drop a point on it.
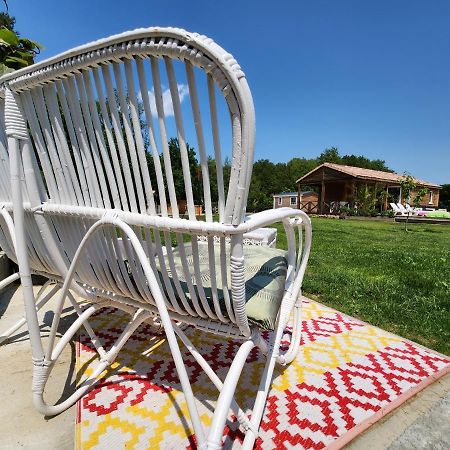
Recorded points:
(293, 194)
(363, 174)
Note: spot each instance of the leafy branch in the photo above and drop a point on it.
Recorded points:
(16, 52)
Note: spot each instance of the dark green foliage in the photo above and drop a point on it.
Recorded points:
(15, 52)
(267, 179)
(297, 168)
(330, 155)
(258, 198)
(366, 163)
(366, 200)
(7, 21)
(226, 169)
(177, 171)
(444, 197)
(375, 271)
(408, 184)
(195, 171)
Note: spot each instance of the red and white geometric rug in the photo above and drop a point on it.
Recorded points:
(347, 375)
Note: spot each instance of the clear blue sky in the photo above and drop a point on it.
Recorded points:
(368, 77)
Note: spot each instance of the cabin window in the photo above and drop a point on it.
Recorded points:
(431, 198)
(279, 201)
(293, 201)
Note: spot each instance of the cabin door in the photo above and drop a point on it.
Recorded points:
(395, 193)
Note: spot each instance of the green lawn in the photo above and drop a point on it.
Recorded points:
(397, 280)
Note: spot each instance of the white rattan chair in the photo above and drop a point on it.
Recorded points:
(85, 131)
(7, 235)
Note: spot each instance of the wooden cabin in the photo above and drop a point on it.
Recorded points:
(291, 199)
(337, 186)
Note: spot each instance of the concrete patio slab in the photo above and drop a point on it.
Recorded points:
(422, 422)
(21, 425)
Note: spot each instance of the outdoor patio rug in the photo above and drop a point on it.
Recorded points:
(347, 375)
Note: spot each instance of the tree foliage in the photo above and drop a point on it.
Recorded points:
(331, 155)
(366, 198)
(444, 197)
(15, 51)
(177, 171)
(408, 185)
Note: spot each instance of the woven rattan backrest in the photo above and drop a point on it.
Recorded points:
(5, 188)
(99, 122)
(38, 256)
(101, 117)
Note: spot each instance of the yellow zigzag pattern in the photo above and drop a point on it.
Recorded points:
(166, 420)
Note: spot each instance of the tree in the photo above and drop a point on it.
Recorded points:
(418, 197)
(379, 164)
(366, 163)
(15, 52)
(365, 200)
(226, 174)
(257, 199)
(7, 21)
(297, 168)
(177, 171)
(444, 197)
(408, 184)
(330, 155)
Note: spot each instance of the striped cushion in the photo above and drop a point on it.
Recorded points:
(265, 275)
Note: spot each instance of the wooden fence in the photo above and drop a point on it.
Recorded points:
(327, 208)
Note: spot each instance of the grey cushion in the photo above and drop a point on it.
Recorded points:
(265, 275)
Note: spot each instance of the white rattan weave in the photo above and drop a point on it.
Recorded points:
(82, 128)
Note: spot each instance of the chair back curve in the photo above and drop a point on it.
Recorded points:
(152, 123)
(6, 242)
(100, 118)
(37, 258)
